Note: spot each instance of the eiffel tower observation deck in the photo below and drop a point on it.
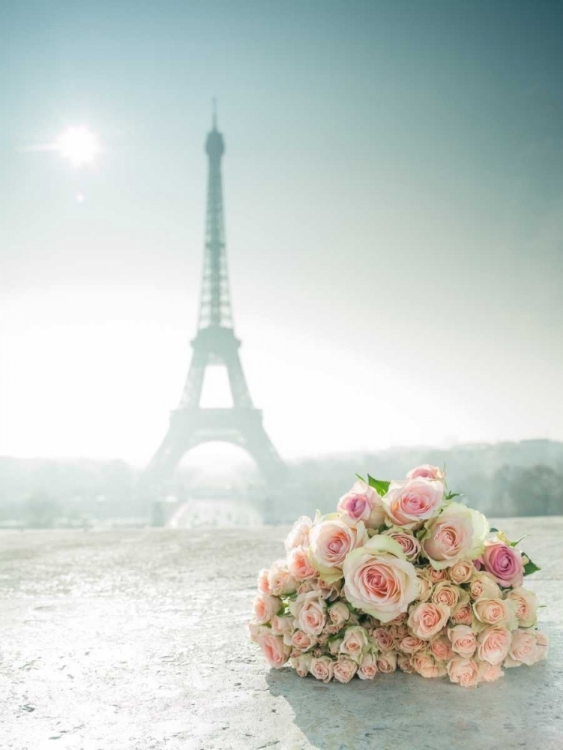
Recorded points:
(215, 345)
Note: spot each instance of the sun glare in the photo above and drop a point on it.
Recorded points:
(79, 146)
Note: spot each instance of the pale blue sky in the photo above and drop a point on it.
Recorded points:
(394, 214)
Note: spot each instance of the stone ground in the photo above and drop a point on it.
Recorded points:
(136, 640)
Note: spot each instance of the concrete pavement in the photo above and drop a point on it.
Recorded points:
(136, 640)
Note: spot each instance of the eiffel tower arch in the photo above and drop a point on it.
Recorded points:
(214, 345)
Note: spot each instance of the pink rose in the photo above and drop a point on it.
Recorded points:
(344, 669)
(426, 666)
(301, 663)
(378, 579)
(446, 593)
(426, 471)
(331, 541)
(504, 563)
(299, 534)
(306, 586)
(274, 649)
(400, 619)
(303, 641)
(330, 591)
(489, 672)
(362, 503)
(299, 564)
(382, 639)
(461, 571)
(282, 625)
(338, 614)
(409, 543)
(457, 534)
(265, 607)
(368, 667)
(463, 640)
(424, 585)
(398, 632)
(355, 642)
(463, 615)
(437, 576)
(441, 649)
(256, 630)
(310, 612)
(527, 647)
(263, 585)
(427, 619)
(483, 585)
(526, 603)
(494, 611)
(494, 643)
(280, 580)
(409, 504)
(387, 662)
(404, 663)
(464, 672)
(322, 667)
(410, 644)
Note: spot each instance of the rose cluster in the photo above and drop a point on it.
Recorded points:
(401, 576)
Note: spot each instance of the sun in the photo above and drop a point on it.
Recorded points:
(79, 146)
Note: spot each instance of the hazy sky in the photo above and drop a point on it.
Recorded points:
(394, 213)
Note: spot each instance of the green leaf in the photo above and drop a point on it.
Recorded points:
(530, 568)
(378, 485)
(451, 495)
(493, 530)
(360, 477)
(513, 544)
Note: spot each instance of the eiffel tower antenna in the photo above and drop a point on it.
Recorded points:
(215, 306)
(215, 344)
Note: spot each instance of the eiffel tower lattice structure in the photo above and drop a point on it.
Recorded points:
(215, 344)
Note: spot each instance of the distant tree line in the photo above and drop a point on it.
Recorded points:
(507, 479)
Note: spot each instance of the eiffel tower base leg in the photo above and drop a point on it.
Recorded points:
(190, 427)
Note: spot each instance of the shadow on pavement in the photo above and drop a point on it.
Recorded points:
(407, 712)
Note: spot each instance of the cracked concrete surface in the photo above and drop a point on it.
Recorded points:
(136, 640)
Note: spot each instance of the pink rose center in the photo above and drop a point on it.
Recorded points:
(356, 505)
(426, 473)
(379, 581)
(321, 670)
(503, 563)
(335, 545)
(406, 543)
(416, 504)
(524, 646)
(446, 597)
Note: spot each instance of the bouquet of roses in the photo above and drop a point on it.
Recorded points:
(401, 576)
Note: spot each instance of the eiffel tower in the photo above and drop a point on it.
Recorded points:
(215, 344)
